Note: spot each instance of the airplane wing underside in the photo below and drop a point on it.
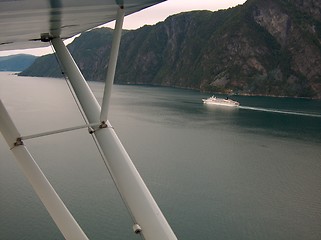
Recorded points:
(23, 22)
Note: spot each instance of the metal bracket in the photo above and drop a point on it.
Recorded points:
(137, 228)
(91, 130)
(18, 142)
(103, 125)
(46, 37)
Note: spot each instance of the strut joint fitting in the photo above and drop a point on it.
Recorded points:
(103, 125)
(18, 142)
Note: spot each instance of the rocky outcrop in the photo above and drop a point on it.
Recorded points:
(294, 28)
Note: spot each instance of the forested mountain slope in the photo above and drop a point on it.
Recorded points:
(268, 47)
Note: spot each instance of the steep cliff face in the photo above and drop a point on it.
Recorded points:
(165, 54)
(296, 28)
(268, 47)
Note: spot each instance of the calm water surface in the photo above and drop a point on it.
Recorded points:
(216, 173)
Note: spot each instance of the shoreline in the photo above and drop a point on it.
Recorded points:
(190, 88)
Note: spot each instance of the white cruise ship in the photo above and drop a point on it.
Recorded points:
(221, 102)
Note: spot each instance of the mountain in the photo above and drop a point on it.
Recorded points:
(16, 63)
(265, 47)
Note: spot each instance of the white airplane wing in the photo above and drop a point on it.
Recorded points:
(22, 22)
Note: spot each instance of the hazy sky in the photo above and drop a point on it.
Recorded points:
(153, 15)
(161, 11)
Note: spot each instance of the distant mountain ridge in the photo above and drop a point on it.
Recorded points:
(266, 47)
(16, 63)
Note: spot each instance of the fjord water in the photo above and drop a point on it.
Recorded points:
(216, 173)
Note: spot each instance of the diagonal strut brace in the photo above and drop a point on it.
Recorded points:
(139, 201)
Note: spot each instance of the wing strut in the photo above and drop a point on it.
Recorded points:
(54, 205)
(112, 64)
(148, 218)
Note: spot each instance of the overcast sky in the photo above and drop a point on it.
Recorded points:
(161, 11)
(153, 15)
